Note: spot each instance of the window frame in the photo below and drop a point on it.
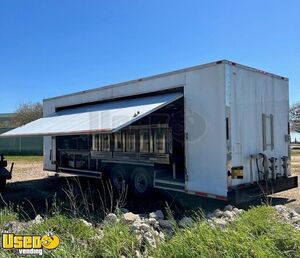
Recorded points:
(133, 132)
(115, 141)
(141, 141)
(101, 142)
(95, 142)
(268, 131)
(164, 140)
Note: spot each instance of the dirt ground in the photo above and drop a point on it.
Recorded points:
(292, 197)
(32, 186)
(26, 169)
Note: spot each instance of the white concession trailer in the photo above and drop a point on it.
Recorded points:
(218, 130)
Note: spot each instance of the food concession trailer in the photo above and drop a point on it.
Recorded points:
(218, 130)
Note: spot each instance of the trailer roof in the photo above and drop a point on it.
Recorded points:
(224, 61)
(105, 117)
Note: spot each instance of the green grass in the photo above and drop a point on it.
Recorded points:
(25, 158)
(80, 240)
(295, 153)
(64, 226)
(7, 215)
(257, 233)
(118, 240)
(74, 235)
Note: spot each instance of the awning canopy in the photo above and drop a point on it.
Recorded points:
(96, 118)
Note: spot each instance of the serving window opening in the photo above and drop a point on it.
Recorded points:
(154, 140)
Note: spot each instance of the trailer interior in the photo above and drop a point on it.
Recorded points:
(155, 142)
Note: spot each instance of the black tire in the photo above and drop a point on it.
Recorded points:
(142, 181)
(119, 177)
(2, 184)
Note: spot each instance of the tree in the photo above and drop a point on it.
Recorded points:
(295, 117)
(26, 113)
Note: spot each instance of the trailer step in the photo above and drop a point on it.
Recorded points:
(80, 172)
(169, 185)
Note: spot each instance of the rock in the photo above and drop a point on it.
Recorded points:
(157, 215)
(124, 210)
(166, 224)
(145, 227)
(152, 222)
(185, 222)
(136, 225)
(137, 254)
(155, 233)
(139, 237)
(210, 216)
(236, 211)
(38, 219)
(85, 222)
(288, 215)
(130, 217)
(98, 237)
(296, 219)
(228, 207)
(218, 213)
(149, 239)
(111, 218)
(15, 226)
(220, 218)
(228, 214)
(161, 236)
(294, 214)
(145, 252)
(220, 222)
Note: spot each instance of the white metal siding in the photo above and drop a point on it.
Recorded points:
(205, 126)
(253, 94)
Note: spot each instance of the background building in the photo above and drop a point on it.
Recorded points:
(295, 137)
(18, 145)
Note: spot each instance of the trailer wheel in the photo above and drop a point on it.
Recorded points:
(119, 177)
(142, 181)
(2, 184)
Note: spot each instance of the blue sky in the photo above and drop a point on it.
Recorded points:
(49, 48)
